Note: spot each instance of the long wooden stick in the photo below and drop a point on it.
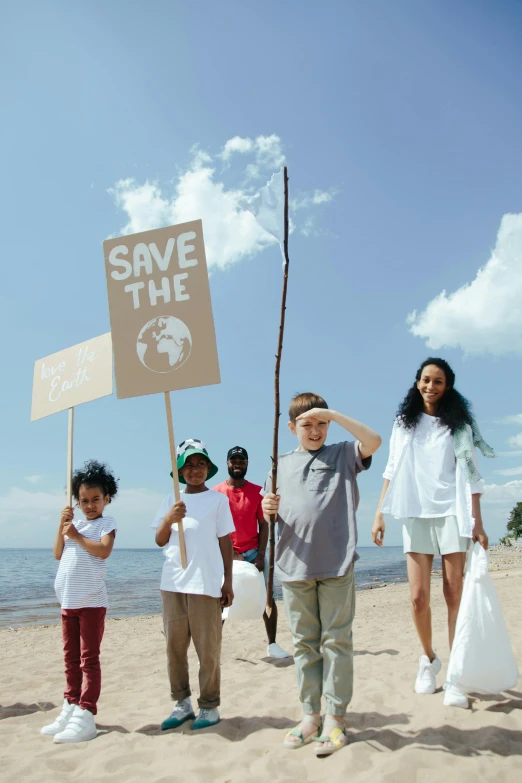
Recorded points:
(70, 440)
(175, 478)
(277, 411)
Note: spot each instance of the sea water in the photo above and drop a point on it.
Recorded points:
(133, 576)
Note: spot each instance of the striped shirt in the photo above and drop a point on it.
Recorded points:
(79, 581)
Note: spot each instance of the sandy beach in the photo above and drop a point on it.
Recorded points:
(395, 735)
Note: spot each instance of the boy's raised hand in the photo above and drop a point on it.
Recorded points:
(176, 513)
(270, 504)
(317, 413)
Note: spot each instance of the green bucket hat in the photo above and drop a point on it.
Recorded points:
(187, 449)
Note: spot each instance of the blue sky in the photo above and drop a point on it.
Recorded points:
(400, 124)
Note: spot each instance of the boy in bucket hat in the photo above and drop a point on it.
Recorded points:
(193, 596)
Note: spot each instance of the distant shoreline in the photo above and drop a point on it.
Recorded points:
(34, 605)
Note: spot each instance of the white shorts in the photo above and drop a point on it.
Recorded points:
(436, 536)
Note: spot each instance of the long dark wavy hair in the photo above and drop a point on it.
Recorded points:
(453, 409)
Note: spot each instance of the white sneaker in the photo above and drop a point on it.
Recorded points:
(182, 712)
(81, 727)
(454, 697)
(426, 676)
(275, 651)
(61, 721)
(207, 717)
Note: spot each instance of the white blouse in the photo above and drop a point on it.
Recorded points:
(425, 479)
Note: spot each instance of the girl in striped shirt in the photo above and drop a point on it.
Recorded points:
(82, 547)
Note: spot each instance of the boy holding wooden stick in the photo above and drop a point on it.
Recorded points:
(194, 596)
(315, 504)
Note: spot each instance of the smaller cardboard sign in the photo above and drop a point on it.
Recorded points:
(73, 376)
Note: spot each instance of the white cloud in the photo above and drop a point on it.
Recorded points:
(237, 144)
(33, 479)
(515, 441)
(33, 516)
(322, 196)
(308, 228)
(315, 198)
(23, 504)
(270, 151)
(231, 233)
(510, 472)
(516, 419)
(267, 150)
(252, 171)
(483, 316)
(503, 493)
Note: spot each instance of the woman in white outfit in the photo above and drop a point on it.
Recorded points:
(432, 484)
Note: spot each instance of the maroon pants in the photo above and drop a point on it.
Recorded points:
(82, 631)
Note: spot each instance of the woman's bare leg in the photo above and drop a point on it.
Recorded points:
(419, 576)
(452, 579)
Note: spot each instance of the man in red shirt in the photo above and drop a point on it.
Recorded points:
(251, 537)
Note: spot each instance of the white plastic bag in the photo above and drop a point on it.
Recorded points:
(249, 592)
(481, 658)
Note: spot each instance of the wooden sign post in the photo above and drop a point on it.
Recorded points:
(175, 477)
(161, 318)
(68, 378)
(70, 439)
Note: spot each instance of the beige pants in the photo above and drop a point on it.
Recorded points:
(197, 617)
(320, 615)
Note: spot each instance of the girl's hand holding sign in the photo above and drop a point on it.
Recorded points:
(70, 531)
(67, 515)
(66, 526)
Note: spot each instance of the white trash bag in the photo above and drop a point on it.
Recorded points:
(481, 658)
(249, 592)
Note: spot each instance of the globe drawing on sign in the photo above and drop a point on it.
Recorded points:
(164, 344)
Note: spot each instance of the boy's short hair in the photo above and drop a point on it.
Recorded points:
(304, 402)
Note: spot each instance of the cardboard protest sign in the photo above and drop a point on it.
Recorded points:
(161, 314)
(71, 377)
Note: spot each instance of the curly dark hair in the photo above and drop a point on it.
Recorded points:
(454, 410)
(95, 474)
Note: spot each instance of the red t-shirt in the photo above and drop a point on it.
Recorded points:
(245, 505)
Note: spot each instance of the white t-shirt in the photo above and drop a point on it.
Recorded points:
(79, 581)
(426, 485)
(208, 518)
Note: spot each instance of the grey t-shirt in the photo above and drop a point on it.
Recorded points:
(316, 521)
